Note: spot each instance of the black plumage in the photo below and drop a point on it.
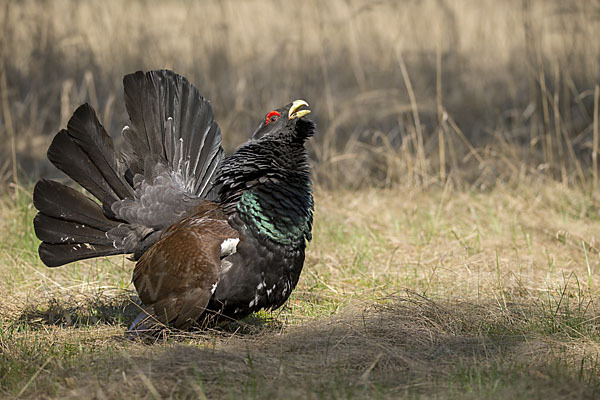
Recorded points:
(212, 235)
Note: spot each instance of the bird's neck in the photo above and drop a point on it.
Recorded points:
(269, 188)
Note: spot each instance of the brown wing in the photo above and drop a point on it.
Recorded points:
(176, 277)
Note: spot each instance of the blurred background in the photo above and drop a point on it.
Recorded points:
(434, 92)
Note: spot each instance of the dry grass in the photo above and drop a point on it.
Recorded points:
(443, 294)
(405, 93)
(470, 272)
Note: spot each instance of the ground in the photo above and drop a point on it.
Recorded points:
(411, 293)
(473, 275)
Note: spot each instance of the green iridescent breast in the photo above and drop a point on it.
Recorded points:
(286, 226)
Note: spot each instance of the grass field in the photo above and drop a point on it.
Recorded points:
(441, 295)
(403, 92)
(456, 249)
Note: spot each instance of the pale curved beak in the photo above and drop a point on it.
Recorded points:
(296, 110)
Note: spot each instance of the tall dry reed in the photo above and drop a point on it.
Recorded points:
(404, 93)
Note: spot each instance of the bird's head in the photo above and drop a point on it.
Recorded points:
(286, 121)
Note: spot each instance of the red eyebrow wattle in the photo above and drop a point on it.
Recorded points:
(269, 115)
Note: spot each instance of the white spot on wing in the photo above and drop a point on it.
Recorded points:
(225, 266)
(213, 288)
(229, 246)
(255, 301)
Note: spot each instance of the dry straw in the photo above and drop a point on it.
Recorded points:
(409, 95)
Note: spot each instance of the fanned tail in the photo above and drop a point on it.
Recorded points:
(71, 225)
(172, 151)
(172, 125)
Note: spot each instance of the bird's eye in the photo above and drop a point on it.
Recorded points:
(271, 117)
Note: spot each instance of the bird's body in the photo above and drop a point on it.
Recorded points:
(212, 235)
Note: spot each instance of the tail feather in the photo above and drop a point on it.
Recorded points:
(62, 202)
(174, 125)
(55, 255)
(72, 160)
(85, 152)
(57, 231)
(171, 153)
(71, 226)
(209, 159)
(85, 130)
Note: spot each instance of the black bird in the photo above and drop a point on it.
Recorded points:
(212, 235)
